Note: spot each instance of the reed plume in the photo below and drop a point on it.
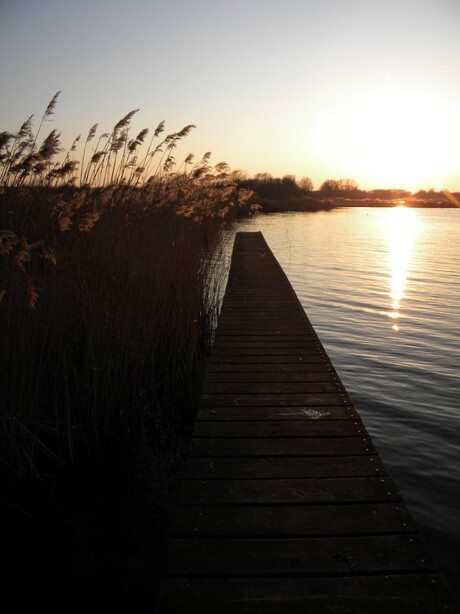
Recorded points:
(45, 117)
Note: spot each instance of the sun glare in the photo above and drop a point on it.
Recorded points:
(401, 231)
(390, 139)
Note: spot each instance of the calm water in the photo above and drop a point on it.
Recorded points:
(382, 288)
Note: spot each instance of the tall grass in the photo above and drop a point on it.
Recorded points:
(108, 291)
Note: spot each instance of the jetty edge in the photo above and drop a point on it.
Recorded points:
(285, 504)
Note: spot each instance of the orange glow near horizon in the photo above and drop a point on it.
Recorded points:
(402, 230)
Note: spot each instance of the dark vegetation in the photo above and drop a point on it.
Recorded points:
(109, 291)
(277, 194)
(274, 194)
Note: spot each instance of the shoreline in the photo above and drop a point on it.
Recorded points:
(311, 204)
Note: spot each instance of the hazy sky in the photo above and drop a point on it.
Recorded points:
(366, 89)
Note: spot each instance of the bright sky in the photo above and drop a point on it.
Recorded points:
(363, 89)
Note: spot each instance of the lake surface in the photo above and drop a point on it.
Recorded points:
(382, 288)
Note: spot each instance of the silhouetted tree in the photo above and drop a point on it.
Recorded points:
(347, 185)
(263, 177)
(306, 184)
(339, 186)
(278, 193)
(330, 186)
(388, 194)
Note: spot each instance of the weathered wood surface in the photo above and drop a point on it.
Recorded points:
(285, 505)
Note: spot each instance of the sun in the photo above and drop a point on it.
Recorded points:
(392, 137)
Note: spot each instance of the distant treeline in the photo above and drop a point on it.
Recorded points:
(287, 193)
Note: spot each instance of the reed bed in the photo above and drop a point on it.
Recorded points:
(98, 324)
(108, 290)
(109, 285)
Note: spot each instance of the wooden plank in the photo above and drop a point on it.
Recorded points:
(286, 428)
(396, 594)
(259, 327)
(278, 412)
(283, 556)
(301, 337)
(264, 344)
(292, 520)
(268, 491)
(311, 351)
(280, 467)
(295, 366)
(269, 335)
(263, 377)
(236, 388)
(276, 326)
(279, 446)
(268, 359)
(255, 341)
(286, 399)
(324, 412)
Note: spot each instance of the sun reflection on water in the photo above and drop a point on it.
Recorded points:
(401, 234)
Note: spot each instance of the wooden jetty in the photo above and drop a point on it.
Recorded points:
(285, 506)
